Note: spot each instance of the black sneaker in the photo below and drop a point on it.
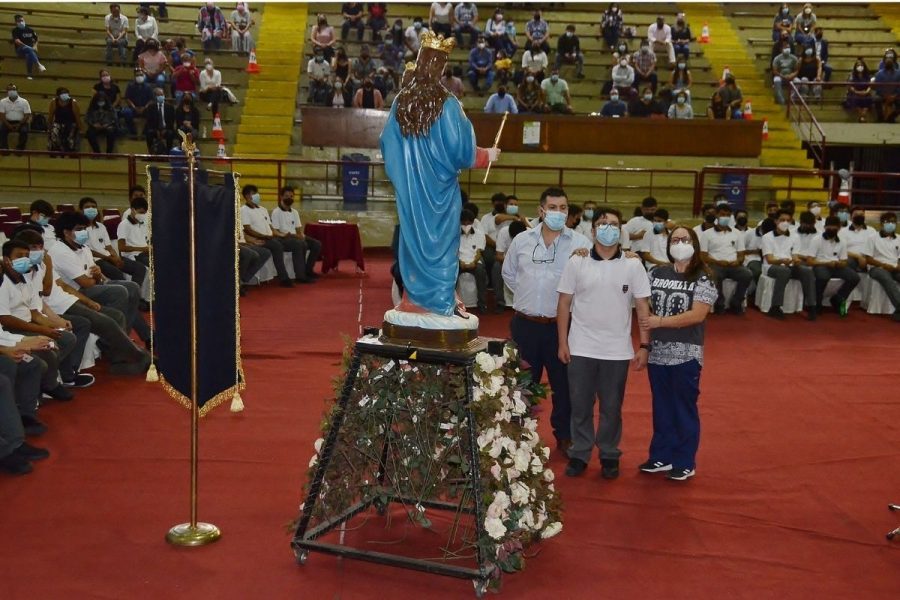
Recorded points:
(15, 464)
(303, 281)
(654, 467)
(811, 313)
(681, 474)
(737, 310)
(313, 276)
(31, 453)
(287, 283)
(59, 393)
(32, 426)
(610, 468)
(576, 467)
(82, 380)
(776, 313)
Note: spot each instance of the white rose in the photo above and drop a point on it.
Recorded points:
(549, 475)
(536, 465)
(512, 474)
(530, 424)
(495, 528)
(522, 459)
(313, 461)
(546, 452)
(520, 493)
(519, 407)
(485, 439)
(496, 449)
(496, 471)
(499, 361)
(491, 388)
(477, 394)
(526, 519)
(551, 530)
(496, 383)
(485, 362)
(318, 445)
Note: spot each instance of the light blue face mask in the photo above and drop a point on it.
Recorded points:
(512, 209)
(90, 212)
(844, 216)
(22, 265)
(43, 220)
(555, 220)
(36, 257)
(658, 227)
(589, 213)
(724, 221)
(889, 227)
(607, 235)
(255, 199)
(81, 237)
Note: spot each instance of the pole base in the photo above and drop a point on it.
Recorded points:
(186, 535)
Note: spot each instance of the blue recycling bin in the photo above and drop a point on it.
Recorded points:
(355, 176)
(734, 186)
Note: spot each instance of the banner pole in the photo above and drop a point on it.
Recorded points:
(193, 533)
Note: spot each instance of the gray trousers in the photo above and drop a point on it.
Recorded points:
(480, 274)
(11, 432)
(109, 325)
(497, 282)
(890, 281)
(589, 378)
(782, 274)
(125, 297)
(755, 267)
(26, 380)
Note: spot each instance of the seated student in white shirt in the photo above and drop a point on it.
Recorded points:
(722, 248)
(489, 225)
(106, 322)
(857, 236)
(828, 257)
(639, 225)
(22, 311)
(106, 257)
(132, 233)
(783, 261)
(574, 218)
(653, 248)
(722, 200)
(251, 258)
(752, 245)
(806, 233)
(258, 230)
(504, 239)
(816, 209)
(884, 259)
(74, 263)
(471, 247)
(40, 213)
(587, 217)
(288, 230)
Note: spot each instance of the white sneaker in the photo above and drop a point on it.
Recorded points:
(29, 78)
(41, 68)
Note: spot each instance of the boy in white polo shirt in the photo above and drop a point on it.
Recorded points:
(884, 261)
(783, 261)
(132, 233)
(652, 247)
(828, 255)
(597, 291)
(471, 246)
(107, 258)
(258, 230)
(722, 248)
(288, 230)
(857, 236)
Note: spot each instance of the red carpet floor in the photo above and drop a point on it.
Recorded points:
(799, 457)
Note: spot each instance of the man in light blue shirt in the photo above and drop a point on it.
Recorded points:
(532, 268)
(501, 102)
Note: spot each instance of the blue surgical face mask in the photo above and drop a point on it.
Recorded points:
(255, 199)
(36, 257)
(160, 99)
(512, 209)
(21, 24)
(555, 220)
(724, 221)
(608, 235)
(65, 97)
(81, 237)
(22, 265)
(889, 227)
(659, 227)
(844, 216)
(43, 220)
(680, 100)
(589, 213)
(90, 212)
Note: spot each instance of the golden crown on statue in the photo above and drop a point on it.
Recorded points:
(437, 42)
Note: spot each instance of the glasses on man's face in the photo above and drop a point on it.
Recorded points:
(545, 260)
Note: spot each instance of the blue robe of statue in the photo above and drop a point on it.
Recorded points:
(425, 173)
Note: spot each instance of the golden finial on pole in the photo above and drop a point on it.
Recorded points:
(496, 144)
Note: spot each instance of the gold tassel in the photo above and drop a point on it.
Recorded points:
(237, 404)
(152, 375)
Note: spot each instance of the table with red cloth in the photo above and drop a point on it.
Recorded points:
(340, 241)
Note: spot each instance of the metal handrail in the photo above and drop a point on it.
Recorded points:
(796, 99)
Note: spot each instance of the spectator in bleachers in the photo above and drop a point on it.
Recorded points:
(717, 108)
(240, 23)
(646, 105)
(377, 19)
(109, 88)
(412, 37)
(622, 52)
(644, 63)
(501, 102)
(611, 25)
(820, 45)
(884, 260)
(537, 32)
(681, 108)
(860, 95)
(25, 40)
(363, 67)
(681, 79)
(622, 79)
(383, 82)
(179, 51)
(116, 34)
(660, 35)
(15, 117)
(187, 117)
(784, 22)
(186, 79)
(212, 26)
(481, 64)
(804, 22)
(568, 50)
(732, 96)
(111, 264)
(352, 12)
(393, 50)
(440, 18)
(783, 260)
(886, 105)
(153, 63)
(145, 30)
(288, 230)
(530, 97)
(503, 67)
(495, 30)
(556, 94)
(319, 72)
(323, 37)
(138, 96)
(828, 255)
(534, 63)
(101, 123)
(722, 248)
(805, 37)
(340, 97)
(509, 43)
(809, 74)
(779, 45)
(210, 88)
(65, 125)
(615, 107)
(368, 96)
(681, 37)
(465, 16)
(452, 83)
(471, 247)
(340, 67)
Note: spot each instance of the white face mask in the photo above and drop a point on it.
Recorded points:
(467, 229)
(623, 63)
(859, 68)
(784, 226)
(682, 251)
(816, 210)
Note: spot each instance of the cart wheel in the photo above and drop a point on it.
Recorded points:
(301, 556)
(480, 587)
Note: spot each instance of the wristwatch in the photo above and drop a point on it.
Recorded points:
(645, 347)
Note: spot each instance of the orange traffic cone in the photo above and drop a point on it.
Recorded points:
(725, 73)
(220, 153)
(765, 132)
(704, 34)
(748, 112)
(217, 132)
(252, 66)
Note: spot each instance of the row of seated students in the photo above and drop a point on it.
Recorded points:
(811, 249)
